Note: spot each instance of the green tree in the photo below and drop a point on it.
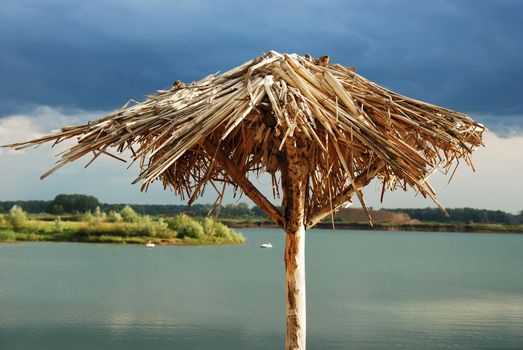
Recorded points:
(30, 206)
(114, 216)
(100, 215)
(3, 221)
(236, 210)
(185, 226)
(256, 211)
(148, 227)
(129, 215)
(74, 202)
(55, 209)
(217, 229)
(17, 217)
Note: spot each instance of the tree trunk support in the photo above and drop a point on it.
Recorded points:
(362, 180)
(239, 178)
(294, 183)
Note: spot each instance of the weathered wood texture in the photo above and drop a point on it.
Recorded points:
(294, 208)
(296, 312)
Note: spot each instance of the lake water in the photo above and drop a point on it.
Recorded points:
(365, 290)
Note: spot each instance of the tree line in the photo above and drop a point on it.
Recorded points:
(78, 203)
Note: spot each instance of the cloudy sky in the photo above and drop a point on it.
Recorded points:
(66, 61)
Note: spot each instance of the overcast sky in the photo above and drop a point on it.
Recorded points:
(68, 61)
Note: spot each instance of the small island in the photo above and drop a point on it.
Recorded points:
(124, 226)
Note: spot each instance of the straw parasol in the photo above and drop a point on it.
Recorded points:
(321, 131)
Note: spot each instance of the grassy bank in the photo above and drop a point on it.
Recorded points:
(117, 227)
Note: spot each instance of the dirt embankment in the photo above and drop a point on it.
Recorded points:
(378, 216)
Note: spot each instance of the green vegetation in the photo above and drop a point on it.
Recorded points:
(125, 226)
(129, 215)
(17, 218)
(186, 226)
(218, 230)
(70, 203)
(123, 223)
(67, 205)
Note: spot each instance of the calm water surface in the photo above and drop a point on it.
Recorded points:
(366, 290)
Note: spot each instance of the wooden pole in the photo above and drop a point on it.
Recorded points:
(294, 183)
(295, 337)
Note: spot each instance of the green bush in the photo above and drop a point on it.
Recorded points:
(58, 225)
(87, 217)
(147, 227)
(7, 235)
(208, 226)
(100, 215)
(129, 215)
(114, 216)
(186, 226)
(3, 221)
(161, 228)
(219, 230)
(94, 220)
(17, 217)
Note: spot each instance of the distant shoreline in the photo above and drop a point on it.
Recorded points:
(422, 227)
(84, 219)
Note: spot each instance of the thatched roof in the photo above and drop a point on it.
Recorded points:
(353, 130)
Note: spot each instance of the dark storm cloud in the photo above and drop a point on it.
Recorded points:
(466, 55)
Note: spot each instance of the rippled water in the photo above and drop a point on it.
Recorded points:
(366, 290)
